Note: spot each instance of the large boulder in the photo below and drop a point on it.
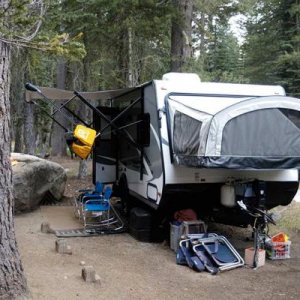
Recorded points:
(34, 179)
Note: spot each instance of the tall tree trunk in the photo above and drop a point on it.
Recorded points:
(121, 58)
(29, 131)
(133, 66)
(83, 166)
(46, 137)
(58, 141)
(17, 94)
(18, 147)
(12, 280)
(82, 112)
(130, 73)
(181, 35)
(202, 37)
(83, 169)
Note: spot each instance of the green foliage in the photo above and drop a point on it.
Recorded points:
(223, 59)
(273, 44)
(20, 21)
(128, 42)
(61, 45)
(15, 16)
(219, 54)
(121, 38)
(109, 44)
(219, 10)
(125, 42)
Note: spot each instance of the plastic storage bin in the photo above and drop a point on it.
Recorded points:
(278, 250)
(140, 224)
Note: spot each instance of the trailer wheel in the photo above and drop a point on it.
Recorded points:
(123, 192)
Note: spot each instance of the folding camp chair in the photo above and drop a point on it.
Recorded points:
(217, 252)
(208, 251)
(98, 212)
(86, 193)
(185, 254)
(98, 189)
(95, 208)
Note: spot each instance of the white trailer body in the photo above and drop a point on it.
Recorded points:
(200, 136)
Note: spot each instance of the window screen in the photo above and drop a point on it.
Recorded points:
(265, 132)
(292, 115)
(186, 132)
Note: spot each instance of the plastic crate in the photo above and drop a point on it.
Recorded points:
(278, 250)
(193, 227)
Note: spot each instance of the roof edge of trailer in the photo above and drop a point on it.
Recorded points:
(61, 95)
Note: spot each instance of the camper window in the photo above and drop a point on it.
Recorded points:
(252, 134)
(186, 134)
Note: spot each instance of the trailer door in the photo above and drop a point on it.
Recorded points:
(105, 149)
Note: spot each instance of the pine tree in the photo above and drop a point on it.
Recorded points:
(12, 280)
(272, 46)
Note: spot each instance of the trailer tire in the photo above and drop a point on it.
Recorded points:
(123, 192)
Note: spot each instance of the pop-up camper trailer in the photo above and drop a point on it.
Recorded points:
(202, 135)
(175, 143)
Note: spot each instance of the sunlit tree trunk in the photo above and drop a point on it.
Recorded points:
(29, 130)
(18, 147)
(181, 45)
(17, 94)
(58, 141)
(82, 111)
(12, 280)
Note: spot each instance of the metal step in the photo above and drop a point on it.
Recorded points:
(81, 232)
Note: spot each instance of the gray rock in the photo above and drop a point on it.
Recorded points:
(33, 179)
(45, 228)
(89, 274)
(62, 247)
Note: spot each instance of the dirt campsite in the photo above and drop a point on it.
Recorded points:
(129, 269)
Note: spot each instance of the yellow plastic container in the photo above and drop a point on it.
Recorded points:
(84, 140)
(82, 151)
(85, 135)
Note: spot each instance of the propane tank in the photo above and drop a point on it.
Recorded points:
(228, 195)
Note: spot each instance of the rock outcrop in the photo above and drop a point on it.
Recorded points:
(34, 179)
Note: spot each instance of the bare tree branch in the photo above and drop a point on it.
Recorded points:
(36, 4)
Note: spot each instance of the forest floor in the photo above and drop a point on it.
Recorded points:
(134, 270)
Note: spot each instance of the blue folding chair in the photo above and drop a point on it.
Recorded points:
(97, 212)
(217, 254)
(85, 194)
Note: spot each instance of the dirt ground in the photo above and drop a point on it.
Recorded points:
(134, 270)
